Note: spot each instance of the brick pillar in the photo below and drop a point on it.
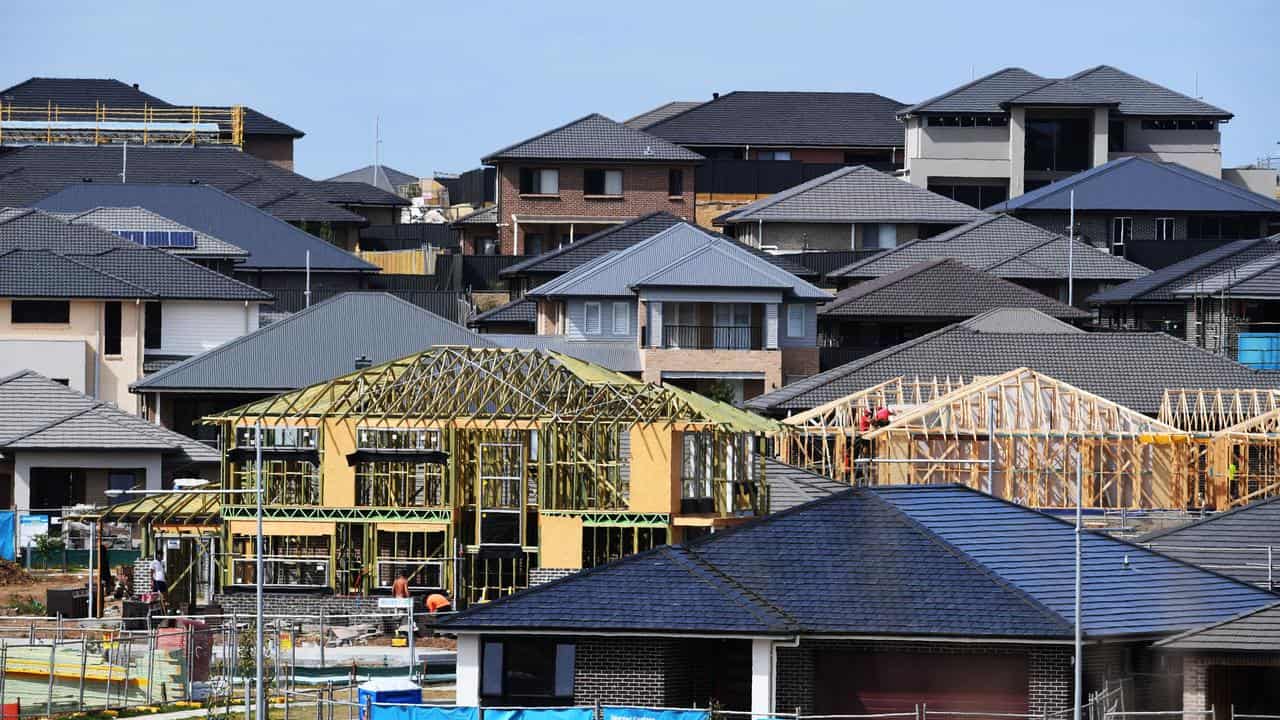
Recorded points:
(1195, 684)
(1049, 680)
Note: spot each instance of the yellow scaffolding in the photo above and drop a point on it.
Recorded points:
(52, 124)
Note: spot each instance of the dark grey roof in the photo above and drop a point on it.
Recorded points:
(31, 173)
(357, 194)
(790, 119)
(1136, 183)
(918, 561)
(942, 288)
(623, 357)
(595, 137)
(855, 194)
(312, 346)
(484, 216)
(1257, 279)
(271, 242)
(520, 310)
(115, 219)
(382, 177)
(1235, 543)
(87, 92)
(38, 413)
(660, 113)
(683, 255)
(1099, 85)
(1003, 246)
(1132, 369)
(1161, 285)
(790, 486)
(1254, 632)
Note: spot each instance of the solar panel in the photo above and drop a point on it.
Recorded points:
(133, 235)
(182, 239)
(157, 238)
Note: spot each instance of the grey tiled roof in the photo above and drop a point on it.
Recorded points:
(313, 345)
(622, 357)
(483, 216)
(660, 113)
(1131, 95)
(788, 119)
(357, 193)
(382, 177)
(1256, 279)
(942, 288)
(1161, 285)
(1256, 632)
(855, 194)
(1233, 543)
(790, 486)
(113, 219)
(595, 137)
(1132, 369)
(1003, 246)
(520, 310)
(38, 413)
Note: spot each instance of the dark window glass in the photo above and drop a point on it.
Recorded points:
(593, 182)
(1115, 136)
(533, 244)
(40, 311)
(152, 322)
(527, 176)
(969, 195)
(111, 328)
(675, 182)
(535, 671)
(1230, 228)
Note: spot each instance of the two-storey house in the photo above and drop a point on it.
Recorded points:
(581, 177)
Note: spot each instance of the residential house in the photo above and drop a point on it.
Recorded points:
(334, 211)
(1039, 259)
(1229, 667)
(580, 177)
(853, 209)
(330, 338)
(387, 179)
(477, 472)
(871, 600)
(759, 143)
(698, 309)
(96, 311)
(1210, 299)
(1243, 543)
(876, 314)
(478, 231)
(1130, 368)
(77, 99)
(62, 448)
(134, 223)
(1154, 213)
(1013, 131)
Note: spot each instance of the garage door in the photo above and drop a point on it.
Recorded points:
(854, 682)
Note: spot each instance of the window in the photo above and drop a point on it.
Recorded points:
(732, 326)
(152, 323)
(968, 120)
(675, 182)
(879, 236)
(111, 328)
(487, 246)
(528, 671)
(1219, 227)
(979, 196)
(795, 320)
(1115, 136)
(773, 154)
(1178, 124)
(591, 318)
(40, 311)
(277, 437)
(533, 244)
(1164, 229)
(697, 449)
(539, 181)
(1121, 233)
(602, 182)
(621, 318)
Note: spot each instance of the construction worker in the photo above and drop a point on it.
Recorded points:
(882, 417)
(437, 602)
(400, 587)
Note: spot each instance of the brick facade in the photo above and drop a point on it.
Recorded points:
(338, 609)
(1195, 675)
(648, 672)
(538, 576)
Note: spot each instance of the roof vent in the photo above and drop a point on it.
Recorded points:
(715, 96)
(363, 362)
(135, 86)
(86, 179)
(648, 150)
(194, 181)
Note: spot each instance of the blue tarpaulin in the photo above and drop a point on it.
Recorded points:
(631, 713)
(570, 713)
(6, 535)
(420, 712)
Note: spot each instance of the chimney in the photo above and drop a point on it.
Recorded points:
(363, 362)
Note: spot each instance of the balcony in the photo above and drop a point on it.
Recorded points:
(712, 337)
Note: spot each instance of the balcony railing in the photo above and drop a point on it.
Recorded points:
(713, 337)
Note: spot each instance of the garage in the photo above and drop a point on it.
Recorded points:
(850, 681)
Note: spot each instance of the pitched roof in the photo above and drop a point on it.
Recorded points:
(38, 413)
(1099, 85)
(313, 345)
(854, 194)
(1234, 543)
(1257, 279)
(1003, 246)
(917, 559)
(1255, 632)
(660, 113)
(680, 256)
(791, 119)
(271, 242)
(30, 173)
(623, 357)
(790, 486)
(484, 216)
(87, 92)
(520, 310)
(594, 137)
(621, 237)
(1197, 271)
(941, 288)
(1137, 183)
(115, 219)
(380, 176)
(1132, 369)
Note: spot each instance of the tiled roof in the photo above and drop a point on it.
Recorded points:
(1003, 246)
(1098, 85)
(855, 194)
(788, 119)
(680, 256)
(1163, 284)
(38, 413)
(1132, 369)
(942, 288)
(382, 177)
(1256, 632)
(31, 173)
(1233, 543)
(271, 242)
(356, 194)
(660, 113)
(790, 486)
(623, 357)
(484, 216)
(114, 219)
(1257, 279)
(918, 560)
(520, 310)
(595, 137)
(313, 345)
(1136, 183)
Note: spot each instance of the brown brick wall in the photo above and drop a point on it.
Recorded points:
(632, 671)
(768, 362)
(276, 149)
(799, 363)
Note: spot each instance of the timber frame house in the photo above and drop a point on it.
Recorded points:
(478, 471)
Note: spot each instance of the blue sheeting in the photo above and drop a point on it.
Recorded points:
(631, 713)
(6, 535)
(423, 712)
(571, 713)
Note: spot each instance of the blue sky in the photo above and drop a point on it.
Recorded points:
(454, 80)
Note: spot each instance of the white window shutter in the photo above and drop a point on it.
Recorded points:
(771, 326)
(655, 324)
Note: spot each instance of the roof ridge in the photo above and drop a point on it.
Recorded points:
(876, 284)
(1265, 263)
(588, 240)
(72, 259)
(1179, 528)
(539, 136)
(794, 190)
(754, 600)
(1215, 625)
(929, 101)
(94, 405)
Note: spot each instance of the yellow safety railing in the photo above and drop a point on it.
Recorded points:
(102, 125)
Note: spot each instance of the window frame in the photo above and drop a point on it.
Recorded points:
(112, 328)
(1163, 223)
(791, 324)
(604, 174)
(1125, 225)
(586, 321)
(152, 327)
(675, 182)
(38, 312)
(624, 316)
(536, 176)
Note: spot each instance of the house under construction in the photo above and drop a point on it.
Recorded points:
(1235, 440)
(477, 472)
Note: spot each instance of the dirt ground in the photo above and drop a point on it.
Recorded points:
(32, 585)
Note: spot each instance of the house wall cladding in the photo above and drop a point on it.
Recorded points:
(650, 672)
(538, 576)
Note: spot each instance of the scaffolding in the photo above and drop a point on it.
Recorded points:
(54, 124)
